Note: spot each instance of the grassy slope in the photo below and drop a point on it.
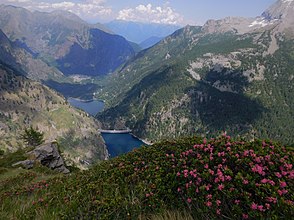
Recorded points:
(25, 103)
(159, 178)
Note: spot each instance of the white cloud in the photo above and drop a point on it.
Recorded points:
(88, 9)
(19, 1)
(149, 13)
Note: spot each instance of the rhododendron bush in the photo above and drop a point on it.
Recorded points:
(240, 178)
(216, 178)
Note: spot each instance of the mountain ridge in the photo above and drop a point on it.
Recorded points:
(189, 81)
(54, 37)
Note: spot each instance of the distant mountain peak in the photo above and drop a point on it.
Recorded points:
(279, 10)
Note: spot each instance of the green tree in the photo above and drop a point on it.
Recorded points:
(32, 137)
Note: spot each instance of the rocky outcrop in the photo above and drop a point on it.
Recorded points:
(47, 155)
(27, 164)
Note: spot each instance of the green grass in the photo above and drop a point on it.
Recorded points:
(11, 158)
(150, 183)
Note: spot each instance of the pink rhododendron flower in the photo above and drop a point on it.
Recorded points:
(209, 196)
(237, 201)
(267, 157)
(271, 199)
(254, 206)
(258, 169)
(218, 202)
(209, 204)
(291, 174)
(246, 153)
(245, 182)
(207, 187)
(232, 189)
(288, 166)
(260, 208)
(218, 211)
(245, 216)
(272, 182)
(220, 187)
(257, 160)
(189, 200)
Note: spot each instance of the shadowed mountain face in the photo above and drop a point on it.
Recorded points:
(220, 109)
(64, 40)
(106, 53)
(231, 74)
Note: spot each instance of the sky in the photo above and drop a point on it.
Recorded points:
(178, 12)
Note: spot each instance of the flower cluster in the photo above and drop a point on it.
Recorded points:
(252, 179)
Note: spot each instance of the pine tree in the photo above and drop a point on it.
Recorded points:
(32, 137)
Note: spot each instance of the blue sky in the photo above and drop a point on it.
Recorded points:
(159, 11)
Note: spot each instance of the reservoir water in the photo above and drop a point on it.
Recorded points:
(92, 107)
(117, 144)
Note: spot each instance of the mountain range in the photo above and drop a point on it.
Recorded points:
(139, 32)
(65, 41)
(233, 74)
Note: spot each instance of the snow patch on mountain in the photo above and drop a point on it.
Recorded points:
(262, 22)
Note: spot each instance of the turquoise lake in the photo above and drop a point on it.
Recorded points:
(117, 144)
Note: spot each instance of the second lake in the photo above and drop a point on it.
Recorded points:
(117, 144)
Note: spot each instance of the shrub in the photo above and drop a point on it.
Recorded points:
(32, 137)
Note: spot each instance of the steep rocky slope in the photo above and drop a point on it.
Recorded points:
(234, 74)
(25, 103)
(20, 58)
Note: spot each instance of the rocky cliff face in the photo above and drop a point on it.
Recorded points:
(59, 38)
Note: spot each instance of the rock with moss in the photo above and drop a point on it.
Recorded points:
(46, 154)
